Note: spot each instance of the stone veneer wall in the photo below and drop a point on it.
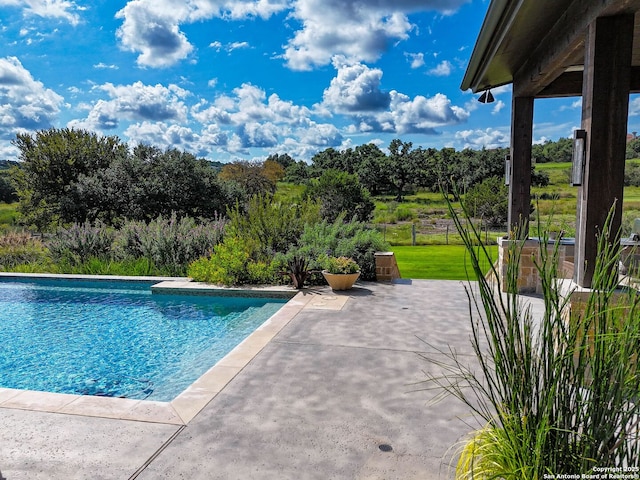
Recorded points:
(386, 267)
(528, 278)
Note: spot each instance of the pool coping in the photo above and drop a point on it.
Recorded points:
(182, 409)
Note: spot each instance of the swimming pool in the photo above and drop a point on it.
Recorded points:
(116, 338)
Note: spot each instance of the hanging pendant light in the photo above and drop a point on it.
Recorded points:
(486, 97)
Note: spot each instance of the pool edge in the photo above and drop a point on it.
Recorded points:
(182, 409)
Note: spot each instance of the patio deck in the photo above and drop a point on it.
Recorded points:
(319, 399)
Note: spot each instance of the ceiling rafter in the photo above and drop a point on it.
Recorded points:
(563, 43)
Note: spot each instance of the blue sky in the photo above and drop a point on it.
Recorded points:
(242, 79)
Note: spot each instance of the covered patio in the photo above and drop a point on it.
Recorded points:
(561, 48)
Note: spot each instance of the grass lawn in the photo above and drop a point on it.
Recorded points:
(8, 214)
(436, 262)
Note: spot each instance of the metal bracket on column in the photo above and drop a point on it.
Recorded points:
(578, 157)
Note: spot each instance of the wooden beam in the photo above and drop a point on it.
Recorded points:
(563, 42)
(520, 178)
(605, 104)
(569, 84)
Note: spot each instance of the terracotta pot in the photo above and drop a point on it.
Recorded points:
(340, 281)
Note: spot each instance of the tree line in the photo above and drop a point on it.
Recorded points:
(67, 176)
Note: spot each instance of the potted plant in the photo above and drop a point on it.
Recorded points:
(340, 272)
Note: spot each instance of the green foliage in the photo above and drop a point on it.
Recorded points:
(8, 192)
(339, 238)
(231, 263)
(255, 178)
(550, 151)
(52, 162)
(72, 176)
(151, 183)
(340, 192)
(338, 265)
(404, 167)
(272, 226)
(633, 147)
(8, 215)
(556, 393)
(632, 174)
(489, 200)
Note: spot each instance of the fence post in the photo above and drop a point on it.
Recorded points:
(413, 234)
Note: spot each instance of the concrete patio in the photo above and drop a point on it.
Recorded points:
(337, 379)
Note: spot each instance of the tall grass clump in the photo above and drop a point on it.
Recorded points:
(553, 395)
(18, 248)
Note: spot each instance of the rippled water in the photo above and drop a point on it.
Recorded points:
(116, 339)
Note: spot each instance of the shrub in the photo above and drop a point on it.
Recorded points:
(488, 200)
(340, 192)
(231, 263)
(350, 239)
(80, 242)
(273, 226)
(12, 256)
(168, 243)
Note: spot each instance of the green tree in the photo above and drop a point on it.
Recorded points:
(340, 192)
(298, 172)
(488, 200)
(8, 193)
(372, 168)
(406, 167)
(52, 162)
(550, 151)
(633, 147)
(152, 182)
(328, 159)
(285, 160)
(251, 176)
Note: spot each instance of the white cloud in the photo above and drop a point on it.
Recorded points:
(417, 59)
(499, 105)
(249, 104)
(152, 27)
(360, 31)
(443, 69)
(152, 32)
(135, 102)
(321, 135)
(62, 9)
(634, 107)
(184, 138)
(25, 104)
(488, 138)
(356, 92)
(422, 114)
(355, 88)
(237, 46)
(353, 30)
(104, 66)
(258, 135)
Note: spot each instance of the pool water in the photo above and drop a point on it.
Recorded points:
(116, 339)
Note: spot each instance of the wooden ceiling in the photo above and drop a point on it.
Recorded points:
(539, 45)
